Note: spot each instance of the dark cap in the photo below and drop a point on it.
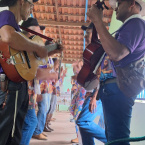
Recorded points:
(83, 27)
(31, 22)
(4, 3)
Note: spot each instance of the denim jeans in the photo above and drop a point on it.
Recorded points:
(88, 128)
(7, 113)
(43, 108)
(117, 110)
(29, 126)
(53, 103)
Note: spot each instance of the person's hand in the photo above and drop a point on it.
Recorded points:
(61, 69)
(39, 98)
(59, 50)
(64, 72)
(42, 53)
(92, 105)
(95, 14)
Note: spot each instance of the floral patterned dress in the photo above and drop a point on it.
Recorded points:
(77, 102)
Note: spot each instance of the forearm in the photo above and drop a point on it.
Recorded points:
(95, 94)
(20, 42)
(112, 47)
(15, 40)
(44, 74)
(115, 50)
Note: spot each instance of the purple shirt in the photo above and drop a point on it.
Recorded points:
(8, 18)
(132, 35)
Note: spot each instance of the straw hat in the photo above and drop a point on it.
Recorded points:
(141, 2)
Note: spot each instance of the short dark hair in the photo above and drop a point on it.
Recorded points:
(9, 3)
(4, 3)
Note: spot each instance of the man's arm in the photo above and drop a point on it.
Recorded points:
(44, 74)
(92, 105)
(115, 50)
(19, 42)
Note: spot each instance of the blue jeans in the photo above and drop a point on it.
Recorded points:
(53, 102)
(43, 108)
(117, 110)
(29, 126)
(88, 128)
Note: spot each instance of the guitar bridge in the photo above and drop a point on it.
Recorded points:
(13, 60)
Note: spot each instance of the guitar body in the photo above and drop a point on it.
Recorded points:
(21, 66)
(19, 70)
(9, 69)
(92, 54)
(92, 57)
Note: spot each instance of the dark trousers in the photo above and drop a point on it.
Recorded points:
(7, 113)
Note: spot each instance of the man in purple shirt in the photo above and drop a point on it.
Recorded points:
(14, 101)
(127, 47)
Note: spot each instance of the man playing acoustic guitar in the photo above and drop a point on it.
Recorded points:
(14, 98)
(126, 48)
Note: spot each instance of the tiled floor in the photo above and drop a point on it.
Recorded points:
(64, 131)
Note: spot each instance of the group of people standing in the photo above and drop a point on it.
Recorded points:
(126, 48)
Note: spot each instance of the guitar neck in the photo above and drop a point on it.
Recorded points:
(51, 47)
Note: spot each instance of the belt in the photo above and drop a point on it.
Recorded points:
(108, 81)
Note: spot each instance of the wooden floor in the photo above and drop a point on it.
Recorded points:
(64, 131)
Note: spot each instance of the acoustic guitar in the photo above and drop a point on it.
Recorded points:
(92, 57)
(21, 65)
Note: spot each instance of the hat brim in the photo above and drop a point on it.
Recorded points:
(35, 1)
(142, 3)
(83, 27)
(42, 27)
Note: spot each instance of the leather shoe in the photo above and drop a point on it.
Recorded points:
(50, 128)
(44, 134)
(76, 140)
(46, 129)
(40, 137)
(52, 119)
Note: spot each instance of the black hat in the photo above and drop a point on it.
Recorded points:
(4, 3)
(83, 27)
(31, 22)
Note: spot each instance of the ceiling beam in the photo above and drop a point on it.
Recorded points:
(72, 40)
(64, 28)
(57, 23)
(68, 62)
(74, 50)
(72, 45)
(47, 33)
(60, 6)
(65, 14)
(69, 58)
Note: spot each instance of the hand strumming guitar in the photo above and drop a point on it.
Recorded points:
(58, 50)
